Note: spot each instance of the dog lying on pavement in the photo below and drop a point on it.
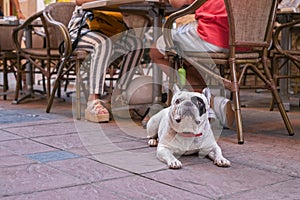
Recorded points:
(183, 129)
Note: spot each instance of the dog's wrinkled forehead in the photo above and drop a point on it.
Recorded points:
(191, 96)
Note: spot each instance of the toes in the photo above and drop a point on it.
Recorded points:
(175, 164)
(152, 142)
(222, 162)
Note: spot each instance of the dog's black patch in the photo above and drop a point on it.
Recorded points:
(200, 104)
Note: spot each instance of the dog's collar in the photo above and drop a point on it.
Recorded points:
(189, 134)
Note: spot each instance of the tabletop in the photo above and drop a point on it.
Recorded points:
(117, 3)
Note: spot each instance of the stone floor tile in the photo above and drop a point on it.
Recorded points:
(44, 129)
(213, 182)
(133, 161)
(7, 161)
(96, 137)
(33, 178)
(88, 170)
(25, 146)
(80, 192)
(5, 152)
(63, 141)
(283, 161)
(50, 156)
(278, 191)
(4, 135)
(17, 116)
(140, 188)
(82, 151)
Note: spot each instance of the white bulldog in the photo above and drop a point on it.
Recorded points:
(184, 128)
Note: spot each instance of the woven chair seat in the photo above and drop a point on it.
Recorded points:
(43, 53)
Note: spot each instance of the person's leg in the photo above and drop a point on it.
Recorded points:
(100, 47)
(194, 78)
(187, 39)
(132, 48)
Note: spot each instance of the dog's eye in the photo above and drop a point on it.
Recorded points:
(199, 103)
(177, 101)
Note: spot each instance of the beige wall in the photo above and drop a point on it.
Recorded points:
(28, 7)
(5, 6)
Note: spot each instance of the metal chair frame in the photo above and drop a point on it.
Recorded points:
(281, 56)
(247, 29)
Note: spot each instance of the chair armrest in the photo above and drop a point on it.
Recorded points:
(25, 25)
(67, 50)
(277, 44)
(171, 19)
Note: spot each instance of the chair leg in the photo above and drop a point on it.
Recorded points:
(172, 75)
(282, 110)
(5, 79)
(78, 97)
(273, 88)
(238, 117)
(19, 80)
(48, 76)
(236, 100)
(275, 72)
(50, 96)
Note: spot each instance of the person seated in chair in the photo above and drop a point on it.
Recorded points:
(208, 33)
(102, 48)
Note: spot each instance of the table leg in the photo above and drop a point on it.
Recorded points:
(157, 73)
(283, 83)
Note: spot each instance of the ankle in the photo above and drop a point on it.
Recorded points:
(93, 97)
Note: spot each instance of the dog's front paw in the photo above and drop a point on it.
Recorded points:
(174, 164)
(152, 142)
(222, 162)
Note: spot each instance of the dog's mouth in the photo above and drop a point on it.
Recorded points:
(189, 134)
(178, 119)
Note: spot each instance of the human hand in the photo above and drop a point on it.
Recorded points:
(20, 15)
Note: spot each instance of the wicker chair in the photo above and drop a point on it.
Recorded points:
(286, 57)
(71, 60)
(250, 24)
(8, 56)
(45, 59)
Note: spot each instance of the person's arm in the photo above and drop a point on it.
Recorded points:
(180, 3)
(80, 2)
(18, 9)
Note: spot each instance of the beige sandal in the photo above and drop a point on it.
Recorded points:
(96, 112)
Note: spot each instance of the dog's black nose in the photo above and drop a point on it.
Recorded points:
(188, 103)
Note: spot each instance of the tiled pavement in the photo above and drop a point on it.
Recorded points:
(52, 156)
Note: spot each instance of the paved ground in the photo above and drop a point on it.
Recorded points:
(52, 156)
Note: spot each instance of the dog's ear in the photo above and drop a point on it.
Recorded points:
(176, 88)
(207, 94)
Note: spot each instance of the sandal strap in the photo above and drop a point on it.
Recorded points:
(96, 106)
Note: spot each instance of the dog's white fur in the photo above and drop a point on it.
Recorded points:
(176, 130)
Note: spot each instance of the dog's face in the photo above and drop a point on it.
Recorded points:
(188, 112)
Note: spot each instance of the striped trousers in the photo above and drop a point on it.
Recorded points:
(103, 51)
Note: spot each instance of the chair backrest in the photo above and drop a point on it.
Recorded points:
(251, 21)
(6, 40)
(60, 12)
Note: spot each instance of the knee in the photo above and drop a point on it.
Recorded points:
(155, 54)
